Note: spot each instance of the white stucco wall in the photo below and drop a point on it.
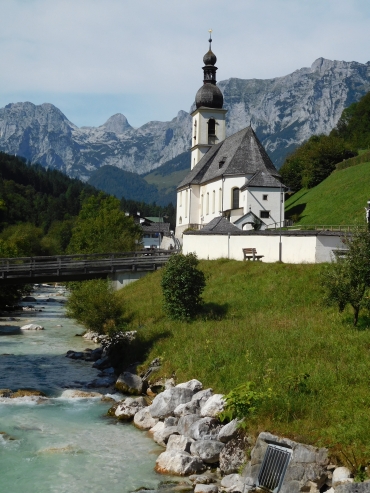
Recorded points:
(254, 199)
(295, 249)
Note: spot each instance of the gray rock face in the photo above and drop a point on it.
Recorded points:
(206, 488)
(232, 483)
(228, 431)
(204, 429)
(353, 488)
(213, 406)
(129, 407)
(162, 436)
(179, 443)
(165, 403)
(233, 455)
(284, 112)
(128, 383)
(143, 419)
(181, 463)
(207, 450)
(185, 423)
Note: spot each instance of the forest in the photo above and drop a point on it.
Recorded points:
(317, 158)
(44, 212)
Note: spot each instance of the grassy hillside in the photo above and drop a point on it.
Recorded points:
(339, 199)
(266, 323)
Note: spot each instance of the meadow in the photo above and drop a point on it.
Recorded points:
(267, 324)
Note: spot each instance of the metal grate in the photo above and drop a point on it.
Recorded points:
(274, 465)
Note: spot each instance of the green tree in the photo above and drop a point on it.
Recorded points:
(95, 305)
(102, 227)
(182, 285)
(11, 294)
(347, 281)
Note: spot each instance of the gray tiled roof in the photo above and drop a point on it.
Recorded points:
(156, 228)
(241, 153)
(220, 225)
(264, 180)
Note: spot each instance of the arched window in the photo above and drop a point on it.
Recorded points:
(180, 220)
(211, 131)
(235, 199)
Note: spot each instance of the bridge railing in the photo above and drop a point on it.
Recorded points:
(96, 262)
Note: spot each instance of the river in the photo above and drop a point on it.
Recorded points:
(59, 445)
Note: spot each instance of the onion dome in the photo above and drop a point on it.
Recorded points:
(209, 95)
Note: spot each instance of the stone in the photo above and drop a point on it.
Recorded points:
(188, 408)
(353, 488)
(213, 406)
(205, 429)
(127, 409)
(157, 427)
(341, 475)
(32, 327)
(194, 385)
(232, 483)
(165, 403)
(28, 298)
(206, 488)
(185, 422)
(202, 397)
(207, 450)
(102, 382)
(144, 420)
(205, 478)
(102, 363)
(171, 421)
(180, 463)
(161, 437)
(179, 443)
(79, 394)
(229, 431)
(233, 455)
(128, 383)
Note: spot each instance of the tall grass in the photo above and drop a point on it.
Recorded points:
(266, 323)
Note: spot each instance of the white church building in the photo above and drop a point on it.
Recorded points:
(230, 177)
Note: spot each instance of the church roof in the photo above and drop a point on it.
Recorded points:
(262, 179)
(220, 225)
(240, 154)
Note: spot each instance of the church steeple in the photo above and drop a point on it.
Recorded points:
(209, 95)
(209, 116)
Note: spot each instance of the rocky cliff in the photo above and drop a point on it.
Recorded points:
(284, 112)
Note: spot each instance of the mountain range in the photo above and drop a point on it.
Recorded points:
(283, 111)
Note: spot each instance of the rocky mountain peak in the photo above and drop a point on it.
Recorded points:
(117, 124)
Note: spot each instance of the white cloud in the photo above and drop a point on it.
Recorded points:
(142, 47)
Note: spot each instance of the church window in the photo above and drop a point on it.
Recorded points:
(207, 204)
(211, 131)
(264, 197)
(213, 202)
(264, 214)
(180, 220)
(202, 205)
(180, 199)
(235, 198)
(220, 200)
(186, 203)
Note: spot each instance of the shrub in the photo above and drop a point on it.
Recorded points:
(182, 285)
(95, 305)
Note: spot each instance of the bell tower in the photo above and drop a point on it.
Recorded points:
(208, 121)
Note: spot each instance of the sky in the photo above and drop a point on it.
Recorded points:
(143, 58)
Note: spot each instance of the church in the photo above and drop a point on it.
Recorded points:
(231, 177)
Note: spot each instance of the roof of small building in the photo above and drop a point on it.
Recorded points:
(240, 154)
(156, 228)
(220, 225)
(262, 179)
(249, 217)
(269, 232)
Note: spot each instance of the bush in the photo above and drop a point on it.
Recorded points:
(95, 305)
(182, 285)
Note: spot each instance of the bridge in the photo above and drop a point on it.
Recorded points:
(121, 268)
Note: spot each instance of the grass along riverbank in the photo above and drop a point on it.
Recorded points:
(266, 323)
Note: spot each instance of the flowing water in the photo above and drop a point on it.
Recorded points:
(58, 445)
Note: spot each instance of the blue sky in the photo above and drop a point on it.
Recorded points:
(143, 58)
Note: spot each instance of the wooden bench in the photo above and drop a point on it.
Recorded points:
(251, 253)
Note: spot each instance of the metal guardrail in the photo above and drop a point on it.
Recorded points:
(74, 267)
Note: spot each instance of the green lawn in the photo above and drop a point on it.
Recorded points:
(340, 199)
(267, 323)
